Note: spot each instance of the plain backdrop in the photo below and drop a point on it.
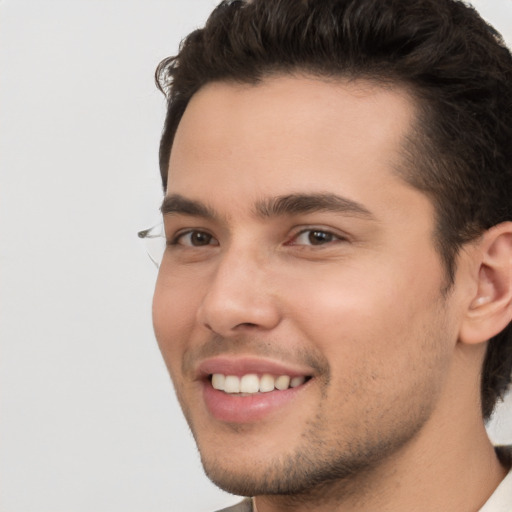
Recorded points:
(89, 421)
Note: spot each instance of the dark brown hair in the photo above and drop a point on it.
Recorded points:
(454, 64)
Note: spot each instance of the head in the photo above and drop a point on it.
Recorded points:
(446, 76)
(453, 64)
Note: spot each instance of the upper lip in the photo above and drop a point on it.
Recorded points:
(227, 365)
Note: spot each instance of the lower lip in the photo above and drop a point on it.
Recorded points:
(233, 408)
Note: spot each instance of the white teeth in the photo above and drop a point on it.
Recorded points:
(282, 382)
(232, 384)
(218, 381)
(297, 381)
(251, 383)
(266, 383)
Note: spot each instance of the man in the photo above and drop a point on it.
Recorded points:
(335, 298)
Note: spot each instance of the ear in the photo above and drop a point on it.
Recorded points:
(490, 308)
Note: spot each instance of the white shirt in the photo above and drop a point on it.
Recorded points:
(501, 499)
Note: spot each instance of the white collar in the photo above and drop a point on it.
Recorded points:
(501, 499)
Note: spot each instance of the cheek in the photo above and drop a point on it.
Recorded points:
(360, 318)
(385, 349)
(174, 313)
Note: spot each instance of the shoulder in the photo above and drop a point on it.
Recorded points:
(243, 506)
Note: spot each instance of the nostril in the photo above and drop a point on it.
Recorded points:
(226, 316)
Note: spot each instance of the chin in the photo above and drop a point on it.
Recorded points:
(316, 468)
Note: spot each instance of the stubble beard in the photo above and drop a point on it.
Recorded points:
(335, 464)
(329, 464)
(319, 469)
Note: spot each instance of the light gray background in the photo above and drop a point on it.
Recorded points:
(89, 421)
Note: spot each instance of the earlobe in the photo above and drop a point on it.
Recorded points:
(490, 310)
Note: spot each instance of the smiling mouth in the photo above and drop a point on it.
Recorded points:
(252, 383)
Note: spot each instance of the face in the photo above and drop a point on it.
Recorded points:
(298, 306)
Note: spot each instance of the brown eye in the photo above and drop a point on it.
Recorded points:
(319, 237)
(314, 237)
(196, 239)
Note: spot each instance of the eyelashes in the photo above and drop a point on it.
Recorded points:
(314, 237)
(194, 238)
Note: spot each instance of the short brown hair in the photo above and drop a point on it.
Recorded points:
(456, 66)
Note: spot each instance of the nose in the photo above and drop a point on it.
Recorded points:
(239, 296)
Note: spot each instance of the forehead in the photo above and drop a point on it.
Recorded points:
(287, 132)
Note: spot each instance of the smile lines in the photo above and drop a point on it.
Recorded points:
(252, 383)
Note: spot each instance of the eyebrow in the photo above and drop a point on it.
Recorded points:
(291, 204)
(179, 205)
(296, 204)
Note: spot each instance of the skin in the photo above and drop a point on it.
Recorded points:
(390, 419)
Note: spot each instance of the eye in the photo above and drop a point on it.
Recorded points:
(314, 237)
(194, 238)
